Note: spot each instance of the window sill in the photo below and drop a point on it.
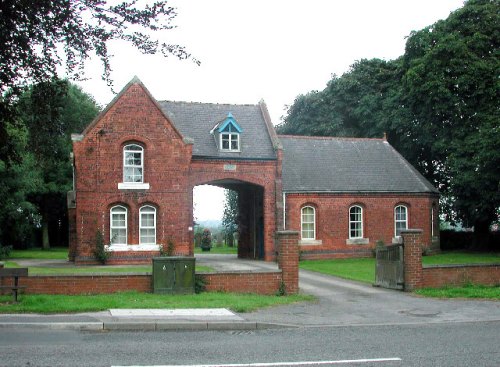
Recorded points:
(118, 248)
(357, 241)
(133, 186)
(310, 242)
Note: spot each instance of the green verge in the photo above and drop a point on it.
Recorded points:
(93, 269)
(467, 291)
(217, 250)
(91, 303)
(54, 253)
(461, 257)
(362, 269)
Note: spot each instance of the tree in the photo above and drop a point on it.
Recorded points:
(230, 215)
(37, 39)
(438, 104)
(51, 111)
(451, 86)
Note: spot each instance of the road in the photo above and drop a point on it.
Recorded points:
(436, 344)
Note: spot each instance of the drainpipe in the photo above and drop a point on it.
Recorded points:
(284, 211)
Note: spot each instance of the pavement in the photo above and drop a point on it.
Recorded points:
(339, 303)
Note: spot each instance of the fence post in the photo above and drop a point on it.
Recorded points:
(412, 242)
(288, 259)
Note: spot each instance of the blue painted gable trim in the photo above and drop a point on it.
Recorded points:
(228, 124)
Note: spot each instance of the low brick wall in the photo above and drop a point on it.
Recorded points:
(86, 284)
(436, 276)
(238, 282)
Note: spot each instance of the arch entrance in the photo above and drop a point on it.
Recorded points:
(251, 220)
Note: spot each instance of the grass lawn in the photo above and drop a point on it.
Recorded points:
(461, 257)
(92, 303)
(467, 291)
(56, 253)
(217, 250)
(93, 269)
(363, 269)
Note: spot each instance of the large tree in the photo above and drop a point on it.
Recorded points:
(39, 38)
(452, 87)
(438, 104)
(50, 112)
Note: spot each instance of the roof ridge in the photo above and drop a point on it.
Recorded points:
(212, 103)
(328, 137)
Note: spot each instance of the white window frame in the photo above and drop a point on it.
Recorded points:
(112, 227)
(354, 222)
(141, 226)
(396, 220)
(230, 140)
(302, 222)
(126, 149)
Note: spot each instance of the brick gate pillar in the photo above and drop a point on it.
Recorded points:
(412, 242)
(288, 259)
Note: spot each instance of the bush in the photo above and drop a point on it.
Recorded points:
(100, 251)
(5, 251)
(168, 250)
(206, 240)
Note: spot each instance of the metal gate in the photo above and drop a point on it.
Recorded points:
(389, 272)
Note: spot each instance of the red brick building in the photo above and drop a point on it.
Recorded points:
(136, 164)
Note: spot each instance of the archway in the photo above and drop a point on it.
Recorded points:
(250, 218)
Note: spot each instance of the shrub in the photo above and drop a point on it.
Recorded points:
(206, 240)
(101, 253)
(5, 251)
(168, 250)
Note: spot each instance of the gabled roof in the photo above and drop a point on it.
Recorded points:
(317, 164)
(228, 123)
(135, 80)
(197, 120)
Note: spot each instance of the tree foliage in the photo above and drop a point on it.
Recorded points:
(230, 215)
(438, 104)
(40, 39)
(36, 186)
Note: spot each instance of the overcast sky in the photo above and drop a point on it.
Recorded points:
(265, 49)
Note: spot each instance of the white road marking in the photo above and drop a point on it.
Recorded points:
(278, 364)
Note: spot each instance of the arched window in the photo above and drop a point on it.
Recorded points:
(118, 225)
(308, 223)
(400, 219)
(133, 163)
(355, 222)
(147, 225)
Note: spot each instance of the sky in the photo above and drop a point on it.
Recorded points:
(273, 50)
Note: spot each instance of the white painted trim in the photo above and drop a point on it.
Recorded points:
(310, 242)
(132, 186)
(119, 248)
(357, 241)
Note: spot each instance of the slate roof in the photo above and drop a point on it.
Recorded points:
(316, 164)
(196, 120)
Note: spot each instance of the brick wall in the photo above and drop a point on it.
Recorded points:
(440, 276)
(86, 284)
(435, 276)
(288, 259)
(332, 221)
(239, 282)
(133, 118)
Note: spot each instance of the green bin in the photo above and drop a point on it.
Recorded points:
(173, 274)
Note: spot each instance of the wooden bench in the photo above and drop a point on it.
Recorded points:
(13, 273)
